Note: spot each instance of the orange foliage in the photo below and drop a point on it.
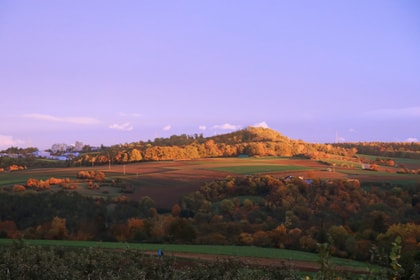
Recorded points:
(55, 181)
(121, 198)
(120, 232)
(44, 185)
(9, 228)
(261, 238)
(176, 210)
(82, 236)
(135, 225)
(279, 235)
(15, 167)
(39, 184)
(246, 238)
(95, 175)
(32, 183)
(58, 229)
(19, 188)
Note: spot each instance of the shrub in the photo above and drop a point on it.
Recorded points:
(19, 188)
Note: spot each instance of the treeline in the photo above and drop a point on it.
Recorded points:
(385, 149)
(69, 215)
(250, 141)
(20, 151)
(21, 163)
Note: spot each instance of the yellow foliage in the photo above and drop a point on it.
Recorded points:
(55, 181)
(410, 232)
(246, 238)
(58, 229)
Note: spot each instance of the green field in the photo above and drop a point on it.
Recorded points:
(343, 163)
(18, 177)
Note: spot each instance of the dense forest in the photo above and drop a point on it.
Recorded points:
(359, 222)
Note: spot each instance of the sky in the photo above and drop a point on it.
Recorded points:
(110, 72)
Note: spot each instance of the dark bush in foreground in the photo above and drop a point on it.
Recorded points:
(55, 263)
(33, 262)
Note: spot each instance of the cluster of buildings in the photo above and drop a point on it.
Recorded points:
(48, 155)
(57, 152)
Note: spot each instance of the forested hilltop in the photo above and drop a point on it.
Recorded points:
(251, 141)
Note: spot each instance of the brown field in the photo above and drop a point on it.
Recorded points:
(167, 181)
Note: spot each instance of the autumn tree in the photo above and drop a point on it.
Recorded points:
(18, 188)
(8, 229)
(181, 230)
(176, 210)
(58, 229)
(135, 155)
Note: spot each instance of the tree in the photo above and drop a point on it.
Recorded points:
(58, 229)
(145, 205)
(18, 188)
(135, 155)
(176, 210)
(261, 238)
(121, 232)
(227, 206)
(211, 149)
(8, 229)
(181, 230)
(246, 238)
(339, 236)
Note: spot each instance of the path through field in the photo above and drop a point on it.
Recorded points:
(187, 259)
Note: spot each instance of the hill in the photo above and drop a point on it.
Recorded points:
(254, 201)
(251, 141)
(251, 134)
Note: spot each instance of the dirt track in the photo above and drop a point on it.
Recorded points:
(263, 262)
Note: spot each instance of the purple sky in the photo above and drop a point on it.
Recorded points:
(109, 72)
